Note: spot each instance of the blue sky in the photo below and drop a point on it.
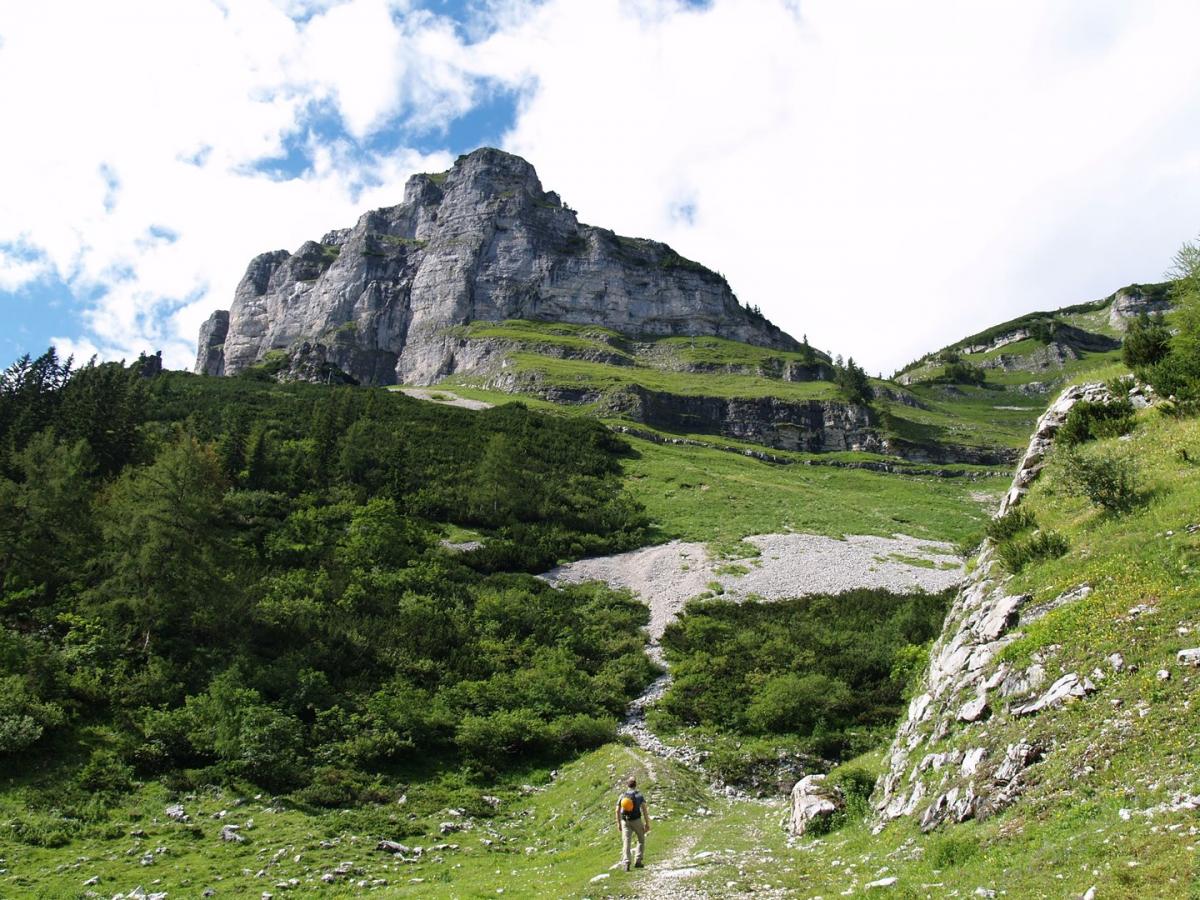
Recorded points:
(881, 177)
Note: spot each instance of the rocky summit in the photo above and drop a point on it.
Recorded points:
(482, 242)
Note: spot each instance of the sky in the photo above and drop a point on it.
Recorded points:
(883, 177)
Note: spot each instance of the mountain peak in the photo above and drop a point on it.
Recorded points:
(481, 241)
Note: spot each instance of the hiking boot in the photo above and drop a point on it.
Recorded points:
(638, 865)
(626, 865)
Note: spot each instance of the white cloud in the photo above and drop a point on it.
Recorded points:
(883, 176)
(146, 115)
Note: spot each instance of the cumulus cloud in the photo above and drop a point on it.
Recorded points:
(141, 128)
(885, 177)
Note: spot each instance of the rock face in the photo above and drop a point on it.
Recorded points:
(210, 355)
(483, 241)
(1131, 302)
(965, 688)
(812, 426)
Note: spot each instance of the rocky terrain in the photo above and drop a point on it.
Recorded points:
(481, 242)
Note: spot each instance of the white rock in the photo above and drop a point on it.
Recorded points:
(1188, 657)
(811, 799)
(973, 710)
(881, 883)
(601, 877)
(971, 762)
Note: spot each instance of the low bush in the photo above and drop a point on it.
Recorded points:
(1010, 524)
(1110, 482)
(960, 372)
(1146, 342)
(1016, 554)
(801, 667)
(1091, 421)
(952, 850)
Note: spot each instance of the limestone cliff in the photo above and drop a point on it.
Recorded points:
(483, 241)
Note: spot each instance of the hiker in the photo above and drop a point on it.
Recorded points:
(632, 819)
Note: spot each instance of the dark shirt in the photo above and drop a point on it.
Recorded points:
(638, 802)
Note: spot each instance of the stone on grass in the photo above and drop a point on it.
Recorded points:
(813, 801)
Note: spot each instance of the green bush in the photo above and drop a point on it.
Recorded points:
(952, 850)
(800, 667)
(1016, 554)
(1109, 481)
(105, 773)
(333, 788)
(1177, 374)
(796, 703)
(961, 372)
(24, 718)
(1010, 524)
(1091, 421)
(1146, 342)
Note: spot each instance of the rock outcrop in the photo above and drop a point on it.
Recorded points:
(210, 354)
(936, 770)
(482, 241)
(812, 426)
(1133, 301)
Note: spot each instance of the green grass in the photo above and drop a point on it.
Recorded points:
(543, 334)
(716, 351)
(600, 377)
(700, 494)
(546, 844)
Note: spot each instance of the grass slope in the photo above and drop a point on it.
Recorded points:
(701, 494)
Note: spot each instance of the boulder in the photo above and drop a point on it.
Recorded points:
(813, 801)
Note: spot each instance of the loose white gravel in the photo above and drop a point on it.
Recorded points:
(790, 565)
(445, 398)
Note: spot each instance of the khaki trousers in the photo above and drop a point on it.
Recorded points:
(629, 828)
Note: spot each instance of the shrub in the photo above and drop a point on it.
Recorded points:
(333, 787)
(908, 668)
(1010, 524)
(1110, 482)
(952, 850)
(856, 785)
(1017, 554)
(796, 703)
(105, 773)
(24, 718)
(1146, 342)
(1089, 421)
(960, 372)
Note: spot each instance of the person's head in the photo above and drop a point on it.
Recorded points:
(632, 782)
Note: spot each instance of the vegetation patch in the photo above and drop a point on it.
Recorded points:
(799, 667)
(242, 583)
